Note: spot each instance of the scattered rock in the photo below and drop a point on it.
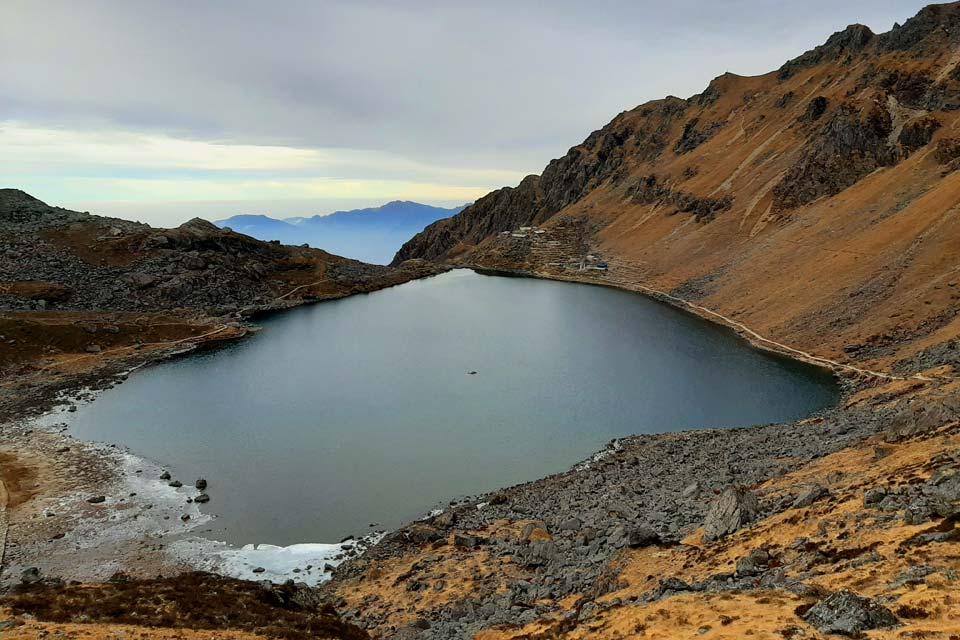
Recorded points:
(422, 534)
(446, 519)
(200, 484)
(691, 491)
(176, 484)
(735, 508)
(917, 419)
(642, 536)
(538, 554)
(849, 614)
(753, 564)
(97, 499)
(202, 498)
(30, 575)
(945, 484)
(879, 453)
(873, 497)
(570, 524)
(464, 541)
(809, 496)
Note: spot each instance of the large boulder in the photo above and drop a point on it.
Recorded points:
(735, 508)
(642, 536)
(538, 554)
(809, 495)
(945, 484)
(920, 418)
(753, 564)
(849, 614)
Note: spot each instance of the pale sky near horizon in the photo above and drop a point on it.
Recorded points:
(160, 111)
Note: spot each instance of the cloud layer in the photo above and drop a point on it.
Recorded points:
(309, 99)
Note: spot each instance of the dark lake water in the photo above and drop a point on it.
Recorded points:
(362, 410)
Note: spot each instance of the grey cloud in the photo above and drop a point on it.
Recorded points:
(494, 84)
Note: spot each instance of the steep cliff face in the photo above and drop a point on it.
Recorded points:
(879, 86)
(815, 203)
(604, 157)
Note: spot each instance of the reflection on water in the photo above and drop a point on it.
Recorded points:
(363, 410)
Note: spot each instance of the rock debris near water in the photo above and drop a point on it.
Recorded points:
(735, 508)
(643, 490)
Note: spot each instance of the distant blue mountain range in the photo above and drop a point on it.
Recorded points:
(372, 235)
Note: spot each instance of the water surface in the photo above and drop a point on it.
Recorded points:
(363, 410)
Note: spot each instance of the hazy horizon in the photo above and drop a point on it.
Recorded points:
(157, 213)
(158, 111)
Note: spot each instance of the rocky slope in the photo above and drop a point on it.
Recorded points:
(84, 299)
(56, 259)
(813, 210)
(724, 534)
(815, 204)
(79, 291)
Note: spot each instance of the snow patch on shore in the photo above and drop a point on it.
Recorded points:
(612, 447)
(310, 563)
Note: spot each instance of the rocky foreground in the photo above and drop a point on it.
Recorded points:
(811, 209)
(843, 523)
(84, 300)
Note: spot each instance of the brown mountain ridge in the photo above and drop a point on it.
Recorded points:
(813, 208)
(815, 204)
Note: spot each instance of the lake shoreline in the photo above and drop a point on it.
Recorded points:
(840, 427)
(26, 440)
(46, 466)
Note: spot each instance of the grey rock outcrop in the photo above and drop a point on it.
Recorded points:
(735, 508)
(849, 614)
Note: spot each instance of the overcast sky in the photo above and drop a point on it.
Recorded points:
(163, 110)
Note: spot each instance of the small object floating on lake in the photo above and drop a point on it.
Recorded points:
(471, 373)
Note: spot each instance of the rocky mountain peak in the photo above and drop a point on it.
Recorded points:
(20, 208)
(871, 111)
(933, 25)
(199, 224)
(851, 40)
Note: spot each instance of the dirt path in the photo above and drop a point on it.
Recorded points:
(295, 289)
(750, 334)
(164, 343)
